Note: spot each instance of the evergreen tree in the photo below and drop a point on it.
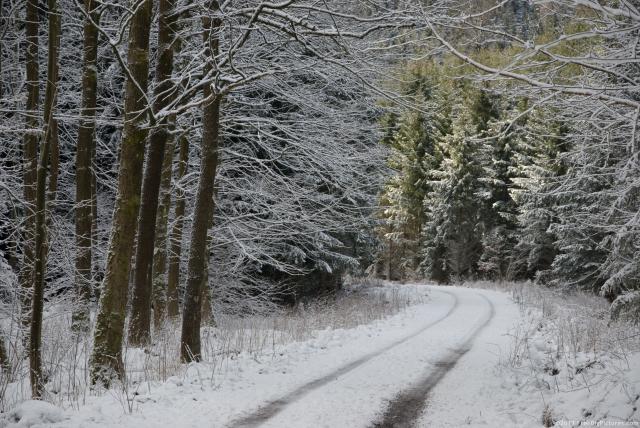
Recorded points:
(579, 201)
(453, 232)
(501, 212)
(541, 143)
(412, 158)
(499, 216)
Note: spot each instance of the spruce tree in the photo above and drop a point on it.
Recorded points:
(412, 158)
(500, 212)
(540, 143)
(453, 232)
(579, 202)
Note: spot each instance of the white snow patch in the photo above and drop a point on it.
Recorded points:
(32, 414)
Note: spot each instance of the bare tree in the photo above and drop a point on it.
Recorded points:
(140, 324)
(191, 318)
(30, 153)
(106, 361)
(175, 240)
(48, 143)
(298, 36)
(166, 261)
(85, 153)
(5, 365)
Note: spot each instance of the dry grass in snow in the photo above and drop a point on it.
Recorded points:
(66, 354)
(577, 366)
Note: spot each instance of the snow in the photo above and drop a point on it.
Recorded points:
(32, 414)
(517, 368)
(348, 377)
(475, 393)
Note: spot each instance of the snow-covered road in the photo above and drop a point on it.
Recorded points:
(388, 387)
(384, 374)
(355, 394)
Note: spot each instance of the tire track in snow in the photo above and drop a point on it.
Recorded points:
(274, 407)
(404, 410)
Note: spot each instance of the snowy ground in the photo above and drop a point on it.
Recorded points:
(447, 357)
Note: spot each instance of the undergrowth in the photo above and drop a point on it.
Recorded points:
(584, 366)
(66, 353)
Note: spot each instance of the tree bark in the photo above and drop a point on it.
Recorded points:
(207, 313)
(207, 310)
(159, 270)
(198, 254)
(30, 158)
(1, 45)
(37, 297)
(175, 241)
(106, 360)
(140, 323)
(96, 273)
(41, 247)
(5, 365)
(84, 175)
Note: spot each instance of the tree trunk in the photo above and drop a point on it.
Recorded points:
(175, 242)
(159, 270)
(84, 176)
(5, 365)
(54, 167)
(37, 297)
(30, 159)
(1, 45)
(389, 260)
(97, 269)
(106, 361)
(198, 254)
(140, 323)
(41, 247)
(207, 313)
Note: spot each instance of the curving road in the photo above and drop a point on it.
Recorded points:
(365, 392)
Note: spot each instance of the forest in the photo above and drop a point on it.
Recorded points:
(168, 166)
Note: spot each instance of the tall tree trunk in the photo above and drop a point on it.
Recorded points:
(30, 158)
(37, 297)
(175, 241)
(159, 270)
(5, 365)
(41, 247)
(106, 360)
(140, 323)
(198, 254)
(207, 311)
(207, 314)
(3, 28)
(84, 175)
(96, 273)
(54, 158)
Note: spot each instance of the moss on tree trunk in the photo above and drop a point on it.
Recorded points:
(106, 360)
